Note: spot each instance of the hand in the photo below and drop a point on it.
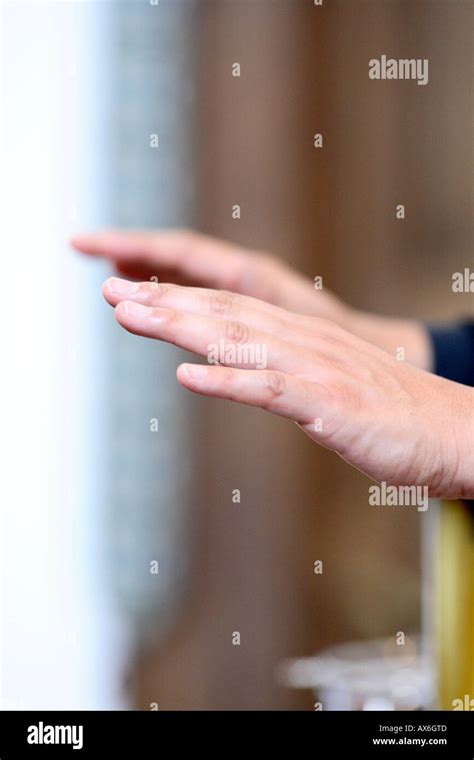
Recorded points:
(192, 259)
(388, 419)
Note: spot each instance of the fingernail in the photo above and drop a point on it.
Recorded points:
(136, 310)
(121, 287)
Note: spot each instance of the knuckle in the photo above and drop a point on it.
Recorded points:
(329, 333)
(145, 292)
(159, 290)
(149, 291)
(171, 315)
(222, 303)
(237, 332)
(275, 384)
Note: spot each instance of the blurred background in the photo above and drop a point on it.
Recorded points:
(91, 496)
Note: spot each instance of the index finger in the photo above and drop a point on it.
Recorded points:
(200, 259)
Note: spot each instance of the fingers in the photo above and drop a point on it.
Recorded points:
(299, 329)
(203, 301)
(277, 392)
(193, 300)
(228, 342)
(194, 258)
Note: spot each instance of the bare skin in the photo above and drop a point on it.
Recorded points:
(189, 258)
(388, 418)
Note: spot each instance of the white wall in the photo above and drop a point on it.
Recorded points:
(62, 643)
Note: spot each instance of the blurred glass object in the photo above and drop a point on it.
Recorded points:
(367, 675)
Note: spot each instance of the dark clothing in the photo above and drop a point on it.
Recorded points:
(453, 347)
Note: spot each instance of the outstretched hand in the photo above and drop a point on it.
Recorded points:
(189, 258)
(388, 419)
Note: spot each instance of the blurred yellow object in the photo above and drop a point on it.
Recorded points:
(455, 606)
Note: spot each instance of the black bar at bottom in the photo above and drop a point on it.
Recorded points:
(149, 734)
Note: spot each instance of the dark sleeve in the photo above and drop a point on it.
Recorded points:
(453, 348)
